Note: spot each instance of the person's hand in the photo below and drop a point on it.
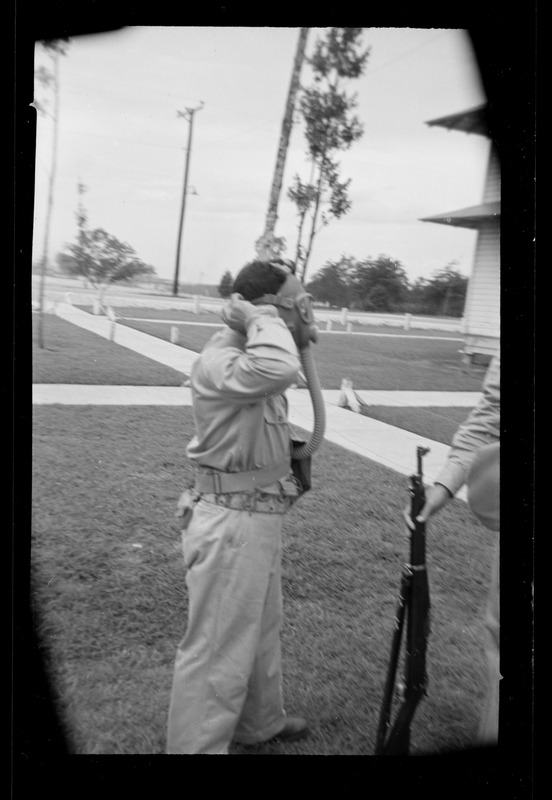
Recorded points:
(238, 313)
(436, 497)
(183, 503)
(185, 507)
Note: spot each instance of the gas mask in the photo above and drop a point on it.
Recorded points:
(294, 307)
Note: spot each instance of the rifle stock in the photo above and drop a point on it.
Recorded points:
(414, 604)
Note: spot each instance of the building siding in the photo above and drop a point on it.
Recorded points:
(491, 191)
(481, 323)
(482, 314)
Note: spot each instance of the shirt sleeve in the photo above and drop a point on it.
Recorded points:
(481, 427)
(268, 365)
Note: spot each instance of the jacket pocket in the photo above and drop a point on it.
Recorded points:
(276, 433)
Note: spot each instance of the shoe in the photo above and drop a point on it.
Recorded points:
(294, 728)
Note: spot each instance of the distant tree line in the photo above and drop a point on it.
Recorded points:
(382, 285)
(225, 285)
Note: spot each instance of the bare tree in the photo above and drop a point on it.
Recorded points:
(330, 127)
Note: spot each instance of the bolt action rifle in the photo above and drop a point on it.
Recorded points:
(394, 739)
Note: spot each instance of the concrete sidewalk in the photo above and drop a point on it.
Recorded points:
(392, 447)
(171, 355)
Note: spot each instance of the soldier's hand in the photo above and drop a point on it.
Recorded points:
(182, 503)
(436, 497)
(238, 313)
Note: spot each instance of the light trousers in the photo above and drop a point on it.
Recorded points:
(488, 726)
(227, 682)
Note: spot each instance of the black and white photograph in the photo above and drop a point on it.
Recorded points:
(268, 286)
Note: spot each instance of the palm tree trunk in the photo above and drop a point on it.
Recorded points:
(266, 242)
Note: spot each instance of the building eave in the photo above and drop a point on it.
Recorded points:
(470, 217)
(473, 120)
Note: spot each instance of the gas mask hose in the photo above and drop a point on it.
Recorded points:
(315, 390)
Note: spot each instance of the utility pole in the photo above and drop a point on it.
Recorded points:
(54, 52)
(81, 225)
(189, 117)
(268, 245)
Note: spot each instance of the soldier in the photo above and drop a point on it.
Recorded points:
(474, 460)
(227, 683)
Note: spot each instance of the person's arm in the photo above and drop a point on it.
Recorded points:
(268, 364)
(481, 427)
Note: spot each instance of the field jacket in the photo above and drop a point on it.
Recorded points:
(240, 411)
(482, 427)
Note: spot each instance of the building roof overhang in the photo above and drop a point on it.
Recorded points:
(470, 217)
(473, 120)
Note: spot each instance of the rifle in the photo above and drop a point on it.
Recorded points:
(413, 606)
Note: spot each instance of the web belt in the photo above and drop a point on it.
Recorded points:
(217, 482)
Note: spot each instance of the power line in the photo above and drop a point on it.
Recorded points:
(405, 53)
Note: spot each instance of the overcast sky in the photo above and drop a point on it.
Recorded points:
(120, 135)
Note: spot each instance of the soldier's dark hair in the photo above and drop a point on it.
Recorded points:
(258, 278)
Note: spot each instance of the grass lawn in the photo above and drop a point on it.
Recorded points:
(371, 362)
(74, 355)
(108, 584)
(108, 578)
(212, 316)
(438, 424)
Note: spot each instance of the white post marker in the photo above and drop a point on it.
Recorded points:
(174, 334)
(329, 325)
(347, 397)
(112, 318)
(344, 316)
(197, 304)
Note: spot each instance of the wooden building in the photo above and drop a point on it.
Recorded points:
(481, 328)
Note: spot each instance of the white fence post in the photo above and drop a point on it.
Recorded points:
(96, 307)
(349, 327)
(329, 325)
(174, 334)
(407, 318)
(344, 316)
(197, 304)
(112, 319)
